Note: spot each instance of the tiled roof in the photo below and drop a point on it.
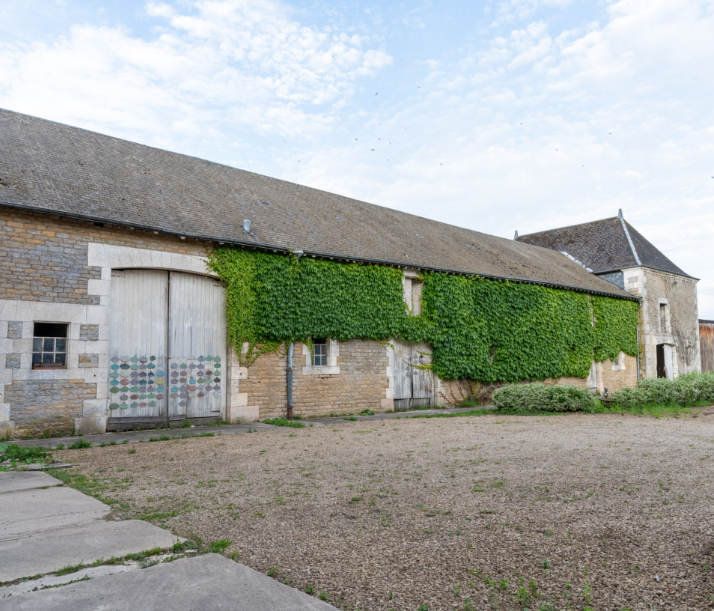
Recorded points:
(55, 168)
(604, 246)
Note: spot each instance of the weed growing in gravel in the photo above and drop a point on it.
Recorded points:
(284, 422)
(132, 451)
(218, 547)
(79, 445)
(324, 595)
(309, 590)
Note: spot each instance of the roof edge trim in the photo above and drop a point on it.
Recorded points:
(263, 246)
(629, 240)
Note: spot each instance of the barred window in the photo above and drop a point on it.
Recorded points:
(319, 353)
(49, 346)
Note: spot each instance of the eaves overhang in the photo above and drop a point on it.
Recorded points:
(314, 254)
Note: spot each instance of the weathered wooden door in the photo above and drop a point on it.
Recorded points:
(138, 332)
(413, 385)
(197, 347)
(167, 347)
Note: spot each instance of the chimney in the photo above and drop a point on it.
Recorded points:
(619, 214)
(515, 237)
(246, 226)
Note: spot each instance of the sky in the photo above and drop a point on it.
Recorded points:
(497, 115)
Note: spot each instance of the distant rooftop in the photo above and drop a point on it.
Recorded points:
(604, 246)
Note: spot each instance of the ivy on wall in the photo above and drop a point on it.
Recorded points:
(480, 329)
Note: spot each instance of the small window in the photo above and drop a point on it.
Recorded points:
(664, 318)
(319, 353)
(49, 346)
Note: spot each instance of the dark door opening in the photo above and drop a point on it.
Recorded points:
(661, 369)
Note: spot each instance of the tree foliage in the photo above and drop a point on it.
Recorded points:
(480, 329)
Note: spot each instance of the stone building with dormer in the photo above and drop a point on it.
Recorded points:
(614, 250)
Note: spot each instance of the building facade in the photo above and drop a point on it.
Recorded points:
(111, 319)
(615, 251)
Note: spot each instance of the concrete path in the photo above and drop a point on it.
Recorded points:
(229, 429)
(45, 527)
(209, 583)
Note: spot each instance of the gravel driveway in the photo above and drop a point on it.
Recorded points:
(490, 512)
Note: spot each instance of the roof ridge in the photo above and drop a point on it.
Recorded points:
(568, 226)
(629, 240)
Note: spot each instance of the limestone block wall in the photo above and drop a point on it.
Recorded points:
(680, 329)
(59, 270)
(356, 378)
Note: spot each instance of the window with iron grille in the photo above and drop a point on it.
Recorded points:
(319, 353)
(49, 346)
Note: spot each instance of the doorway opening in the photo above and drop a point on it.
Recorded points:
(661, 366)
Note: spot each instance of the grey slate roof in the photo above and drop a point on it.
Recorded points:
(603, 246)
(50, 167)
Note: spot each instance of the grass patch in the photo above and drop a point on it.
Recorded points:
(24, 455)
(284, 422)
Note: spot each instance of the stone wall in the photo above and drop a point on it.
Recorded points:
(356, 380)
(44, 257)
(680, 332)
(47, 406)
(607, 374)
(59, 270)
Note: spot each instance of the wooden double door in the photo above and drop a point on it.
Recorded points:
(167, 347)
(413, 381)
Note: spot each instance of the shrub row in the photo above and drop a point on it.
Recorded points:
(685, 390)
(544, 397)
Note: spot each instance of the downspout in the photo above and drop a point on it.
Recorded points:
(290, 381)
(289, 372)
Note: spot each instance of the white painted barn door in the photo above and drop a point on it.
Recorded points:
(138, 334)
(167, 346)
(197, 342)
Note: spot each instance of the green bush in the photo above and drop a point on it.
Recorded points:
(543, 398)
(684, 391)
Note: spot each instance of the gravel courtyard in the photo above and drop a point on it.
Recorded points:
(489, 512)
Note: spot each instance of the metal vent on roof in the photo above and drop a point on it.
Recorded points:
(265, 203)
(340, 219)
(471, 246)
(419, 236)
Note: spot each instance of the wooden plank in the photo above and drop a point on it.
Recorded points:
(137, 344)
(402, 370)
(197, 340)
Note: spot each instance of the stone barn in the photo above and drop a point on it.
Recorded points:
(615, 251)
(110, 317)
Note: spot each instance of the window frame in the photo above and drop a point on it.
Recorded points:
(48, 344)
(320, 358)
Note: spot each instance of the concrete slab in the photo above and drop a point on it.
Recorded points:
(37, 510)
(12, 481)
(49, 551)
(205, 583)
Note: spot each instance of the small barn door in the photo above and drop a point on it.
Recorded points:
(197, 341)
(138, 345)
(413, 385)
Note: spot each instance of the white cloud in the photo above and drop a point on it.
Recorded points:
(243, 61)
(540, 129)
